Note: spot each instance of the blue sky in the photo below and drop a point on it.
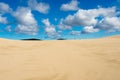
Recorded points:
(52, 19)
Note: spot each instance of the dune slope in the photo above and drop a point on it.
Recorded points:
(97, 59)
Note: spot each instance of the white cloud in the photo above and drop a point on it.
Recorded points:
(93, 20)
(30, 30)
(40, 7)
(89, 29)
(4, 8)
(8, 28)
(24, 16)
(26, 21)
(46, 22)
(63, 26)
(110, 24)
(75, 32)
(3, 20)
(72, 6)
(50, 30)
(88, 17)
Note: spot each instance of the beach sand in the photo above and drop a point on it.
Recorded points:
(93, 59)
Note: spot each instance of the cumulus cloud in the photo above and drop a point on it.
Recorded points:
(50, 29)
(51, 32)
(89, 29)
(72, 6)
(4, 8)
(24, 16)
(62, 26)
(40, 7)
(30, 30)
(88, 17)
(46, 22)
(3, 20)
(93, 20)
(109, 24)
(26, 21)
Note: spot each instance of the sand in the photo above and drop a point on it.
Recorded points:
(94, 59)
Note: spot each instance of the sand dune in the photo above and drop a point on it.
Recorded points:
(97, 59)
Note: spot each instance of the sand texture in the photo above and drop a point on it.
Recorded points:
(97, 59)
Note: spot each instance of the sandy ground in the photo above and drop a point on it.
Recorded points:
(97, 59)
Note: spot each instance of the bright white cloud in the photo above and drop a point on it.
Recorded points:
(88, 17)
(89, 29)
(4, 8)
(40, 7)
(30, 30)
(109, 24)
(3, 20)
(50, 30)
(72, 6)
(93, 20)
(26, 22)
(24, 16)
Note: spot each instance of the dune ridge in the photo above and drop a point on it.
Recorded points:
(94, 59)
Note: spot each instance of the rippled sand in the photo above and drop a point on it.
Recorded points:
(97, 59)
